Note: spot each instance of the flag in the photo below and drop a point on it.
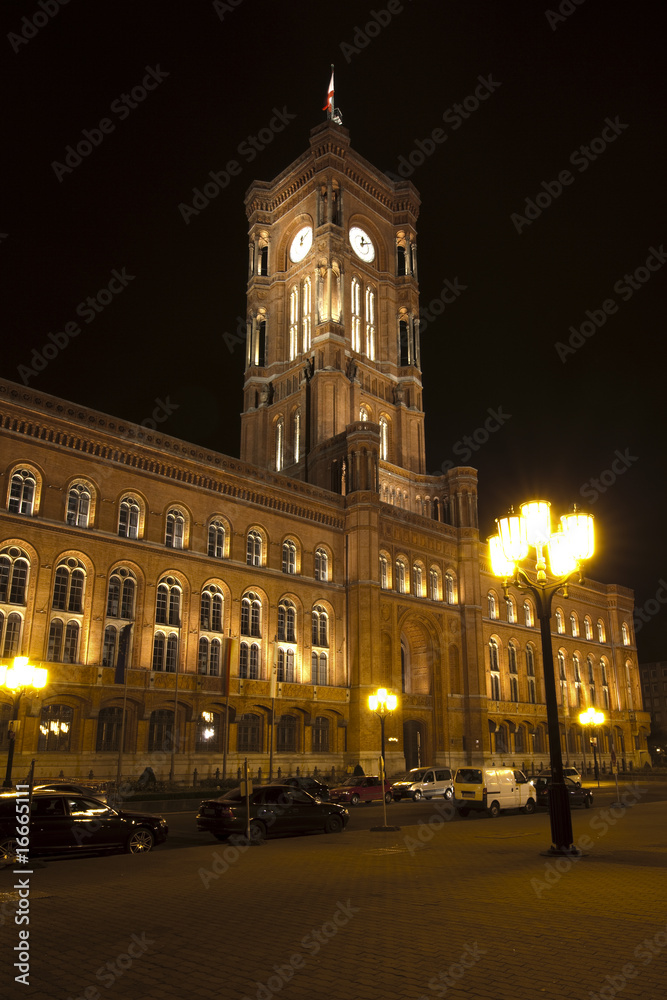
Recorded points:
(273, 686)
(330, 95)
(230, 648)
(123, 649)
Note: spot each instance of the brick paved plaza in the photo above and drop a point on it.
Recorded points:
(463, 908)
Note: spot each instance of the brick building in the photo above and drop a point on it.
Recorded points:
(325, 555)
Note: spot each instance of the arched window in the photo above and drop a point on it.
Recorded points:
(384, 439)
(417, 580)
(110, 646)
(289, 556)
(384, 572)
(209, 656)
(249, 733)
(356, 315)
(78, 505)
(251, 616)
(55, 728)
(293, 323)
(605, 684)
(320, 730)
(513, 672)
(574, 624)
(208, 733)
(591, 681)
(165, 652)
(285, 668)
(249, 661)
(71, 643)
(161, 730)
(22, 492)
(10, 634)
(562, 679)
(494, 668)
(560, 623)
(318, 668)
(400, 261)
(511, 610)
(588, 627)
(450, 593)
(254, 549)
(286, 621)
(109, 725)
(625, 634)
(68, 588)
(320, 626)
(321, 565)
(175, 529)
(216, 539)
(401, 576)
(211, 609)
(492, 604)
(121, 594)
(286, 734)
(55, 648)
(128, 518)
(600, 630)
(280, 444)
(530, 673)
(297, 435)
(370, 323)
(306, 309)
(576, 671)
(528, 614)
(434, 584)
(14, 566)
(168, 602)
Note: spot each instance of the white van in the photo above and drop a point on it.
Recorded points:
(490, 789)
(424, 783)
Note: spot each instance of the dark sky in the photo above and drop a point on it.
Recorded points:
(576, 96)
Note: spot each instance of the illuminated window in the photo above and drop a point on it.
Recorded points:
(625, 633)
(492, 605)
(600, 630)
(287, 621)
(254, 549)
(121, 594)
(293, 323)
(384, 439)
(128, 518)
(417, 580)
(356, 315)
(318, 668)
(588, 628)
(55, 728)
(574, 624)
(511, 610)
(208, 733)
(384, 572)
(528, 613)
(78, 505)
(321, 565)
(401, 577)
(216, 540)
(320, 626)
(560, 623)
(289, 557)
(370, 323)
(306, 314)
(175, 529)
(22, 492)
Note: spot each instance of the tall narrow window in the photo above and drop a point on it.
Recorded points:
(400, 576)
(588, 628)
(560, 624)
(591, 681)
(384, 572)
(289, 557)
(513, 672)
(320, 730)
(14, 565)
(400, 261)
(286, 621)
(528, 613)
(175, 529)
(449, 589)
(417, 580)
(404, 342)
(530, 673)
(434, 585)
(280, 444)
(320, 623)
(293, 323)
(494, 668)
(297, 436)
(370, 323)
(321, 564)
(78, 505)
(306, 309)
(492, 605)
(22, 492)
(254, 549)
(625, 634)
(128, 518)
(68, 587)
(574, 624)
(384, 439)
(251, 615)
(356, 315)
(216, 540)
(576, 670)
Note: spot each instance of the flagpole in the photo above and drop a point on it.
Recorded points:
(119, 769)
(225, 736)
(274, 681)
(174, 734)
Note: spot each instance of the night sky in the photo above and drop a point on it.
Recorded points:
(543, 198)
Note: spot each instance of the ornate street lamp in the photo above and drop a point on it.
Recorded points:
(18, 678)
(383, 703)
(567, 549)
(593, 718)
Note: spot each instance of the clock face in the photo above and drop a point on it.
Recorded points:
(362, 244)
(301, 244)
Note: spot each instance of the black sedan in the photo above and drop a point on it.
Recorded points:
(311, 785)
(579, 796)
(274, 809)
(67, 822)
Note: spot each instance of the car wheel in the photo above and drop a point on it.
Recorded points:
(334, 824)
(140, 841)
(464, 811)
(257, 831)
(494, 810)
(8, 850)
(529, 806)
(355, 799)
(388, 797)
(449, 793)
(416, 796)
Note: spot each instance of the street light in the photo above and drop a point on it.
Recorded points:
(383, 703)
(17, 679)
(591, 718)
(567, 548)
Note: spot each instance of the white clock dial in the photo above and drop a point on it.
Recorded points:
(301, 244)
(362, 244)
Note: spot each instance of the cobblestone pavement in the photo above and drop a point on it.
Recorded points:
(446, 909)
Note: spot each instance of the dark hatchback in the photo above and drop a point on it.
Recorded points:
(67, 822)
(578, 795)
(274, 809)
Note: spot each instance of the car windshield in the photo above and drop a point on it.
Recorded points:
(355, 779)
(469, 776)
(417, 775)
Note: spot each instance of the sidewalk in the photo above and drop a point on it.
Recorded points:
(456, 909)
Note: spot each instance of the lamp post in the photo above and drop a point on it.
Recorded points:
(17, 679)
(593, 718)
(383, 703)
(567, 548)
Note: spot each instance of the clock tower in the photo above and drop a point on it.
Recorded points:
(332, 392)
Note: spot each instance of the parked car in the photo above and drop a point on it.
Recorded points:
(274, 809)
(568, 772)
(97, 791)
(492, 789)
(424, 783)
(65, 822)
(311, 785)
(579, 796)
(361, 788)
